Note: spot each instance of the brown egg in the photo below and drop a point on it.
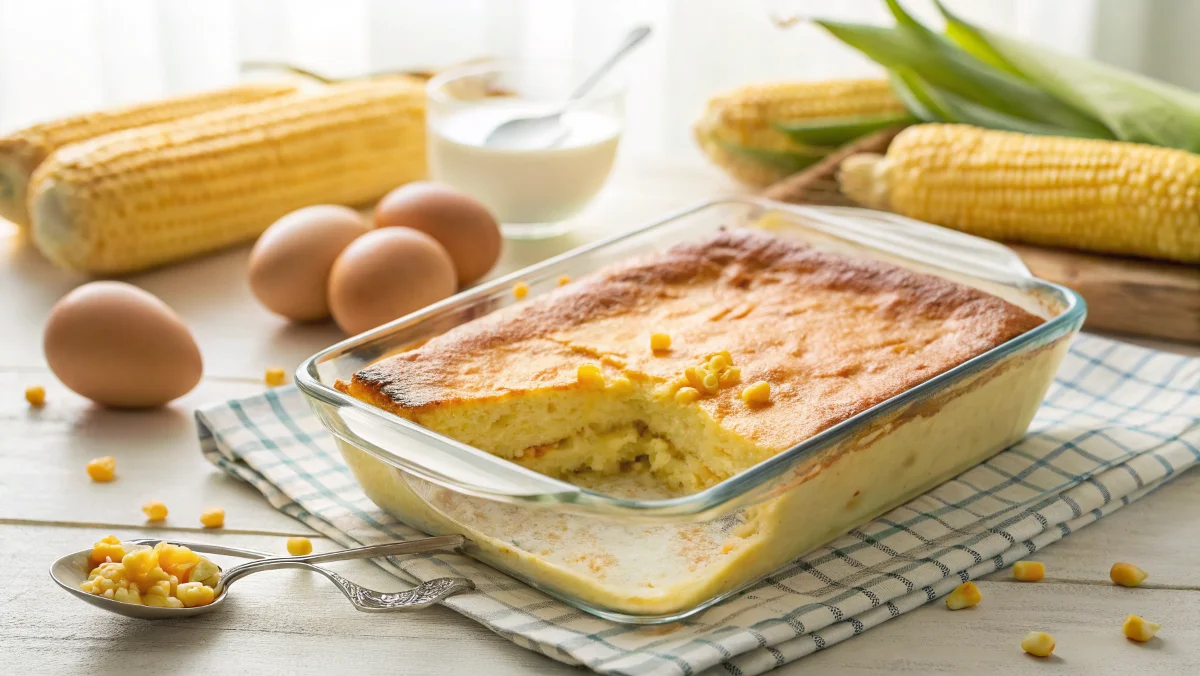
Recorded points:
(120, 346)
(464, 226)
(386, 274)
(291, 261)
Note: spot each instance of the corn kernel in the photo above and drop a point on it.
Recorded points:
(564, 280)
(162, 602)
(695, 377)
(155, 510)
(730, 376)
(758, 393)
(107, 549)
(36, 396)
(686, 395)
(161, 588)
(102, 469)
(660, 342)
(520, 290)
(1038, 643)
(1139, 629)
(194, 594)
(1127, 574)
(718, 363)
(275, 377)
(205, 572)
(711, 382)
(590, 375)
(964, 595)
(299, 546)
(1029, 571)
(175, 559)
(141, 567)
(621, 384)
(213, 517)
(128, 595)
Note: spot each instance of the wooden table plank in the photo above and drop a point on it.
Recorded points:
(43, 453)
(1158, 533)
(277, 622)
(1085, 621)
(284, 621)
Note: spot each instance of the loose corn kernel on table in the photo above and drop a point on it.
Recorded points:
(289, 621)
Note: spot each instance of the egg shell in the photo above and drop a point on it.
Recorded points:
(458, 222)
(291, 261)
(120, 346)
(386, 274)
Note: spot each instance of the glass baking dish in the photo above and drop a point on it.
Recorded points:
(654, 559)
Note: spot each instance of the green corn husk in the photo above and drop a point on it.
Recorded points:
(970, 75)
(785, 162)
(936, 105)
(1135, 108)
(837, 131)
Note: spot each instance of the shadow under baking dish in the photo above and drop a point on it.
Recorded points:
(630, 559)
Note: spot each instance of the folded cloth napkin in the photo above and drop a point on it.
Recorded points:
(1118, 422)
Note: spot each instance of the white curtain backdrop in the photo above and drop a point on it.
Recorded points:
(64, 56)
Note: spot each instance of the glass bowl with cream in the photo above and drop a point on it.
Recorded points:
(532, 189)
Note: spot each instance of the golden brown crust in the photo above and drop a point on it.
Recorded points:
(833, 335)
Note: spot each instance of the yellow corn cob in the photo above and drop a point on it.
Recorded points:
(737, 129)
(22, 151)
(148, 196)
(1104, 196)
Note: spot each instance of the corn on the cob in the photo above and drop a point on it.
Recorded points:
(148, 196)
(1104, 196)
(739, 130)
(22, 151)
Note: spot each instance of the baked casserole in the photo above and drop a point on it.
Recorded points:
(569, 384)
(831, 335)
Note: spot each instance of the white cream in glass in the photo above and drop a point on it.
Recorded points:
(533, 190)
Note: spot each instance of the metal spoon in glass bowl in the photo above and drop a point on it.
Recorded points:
(72, 570)
(547, 130)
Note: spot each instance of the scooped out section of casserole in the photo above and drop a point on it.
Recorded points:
(569, 384)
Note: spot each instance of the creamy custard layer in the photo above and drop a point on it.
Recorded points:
(832, 335)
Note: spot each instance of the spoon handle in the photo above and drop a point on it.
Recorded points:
(388, 549)
(421, 596)
(633, 39)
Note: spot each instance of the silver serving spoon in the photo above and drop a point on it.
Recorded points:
(546, 131)
(72, 570)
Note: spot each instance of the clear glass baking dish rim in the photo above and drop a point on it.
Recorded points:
(728, 494)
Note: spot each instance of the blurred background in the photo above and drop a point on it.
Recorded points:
(65, 56)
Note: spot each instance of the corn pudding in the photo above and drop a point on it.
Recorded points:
(164, 576)
(771, 341)
(820, 336)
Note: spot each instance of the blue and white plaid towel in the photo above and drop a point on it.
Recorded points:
(1118, 422)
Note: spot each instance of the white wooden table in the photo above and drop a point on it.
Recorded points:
(289, 622)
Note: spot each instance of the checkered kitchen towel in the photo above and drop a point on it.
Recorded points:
(1118, 422)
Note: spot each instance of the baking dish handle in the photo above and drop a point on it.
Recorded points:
(931, 244)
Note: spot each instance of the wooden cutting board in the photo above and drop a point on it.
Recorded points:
(1124, 295)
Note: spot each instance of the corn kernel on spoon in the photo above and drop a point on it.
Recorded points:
(72, 570)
